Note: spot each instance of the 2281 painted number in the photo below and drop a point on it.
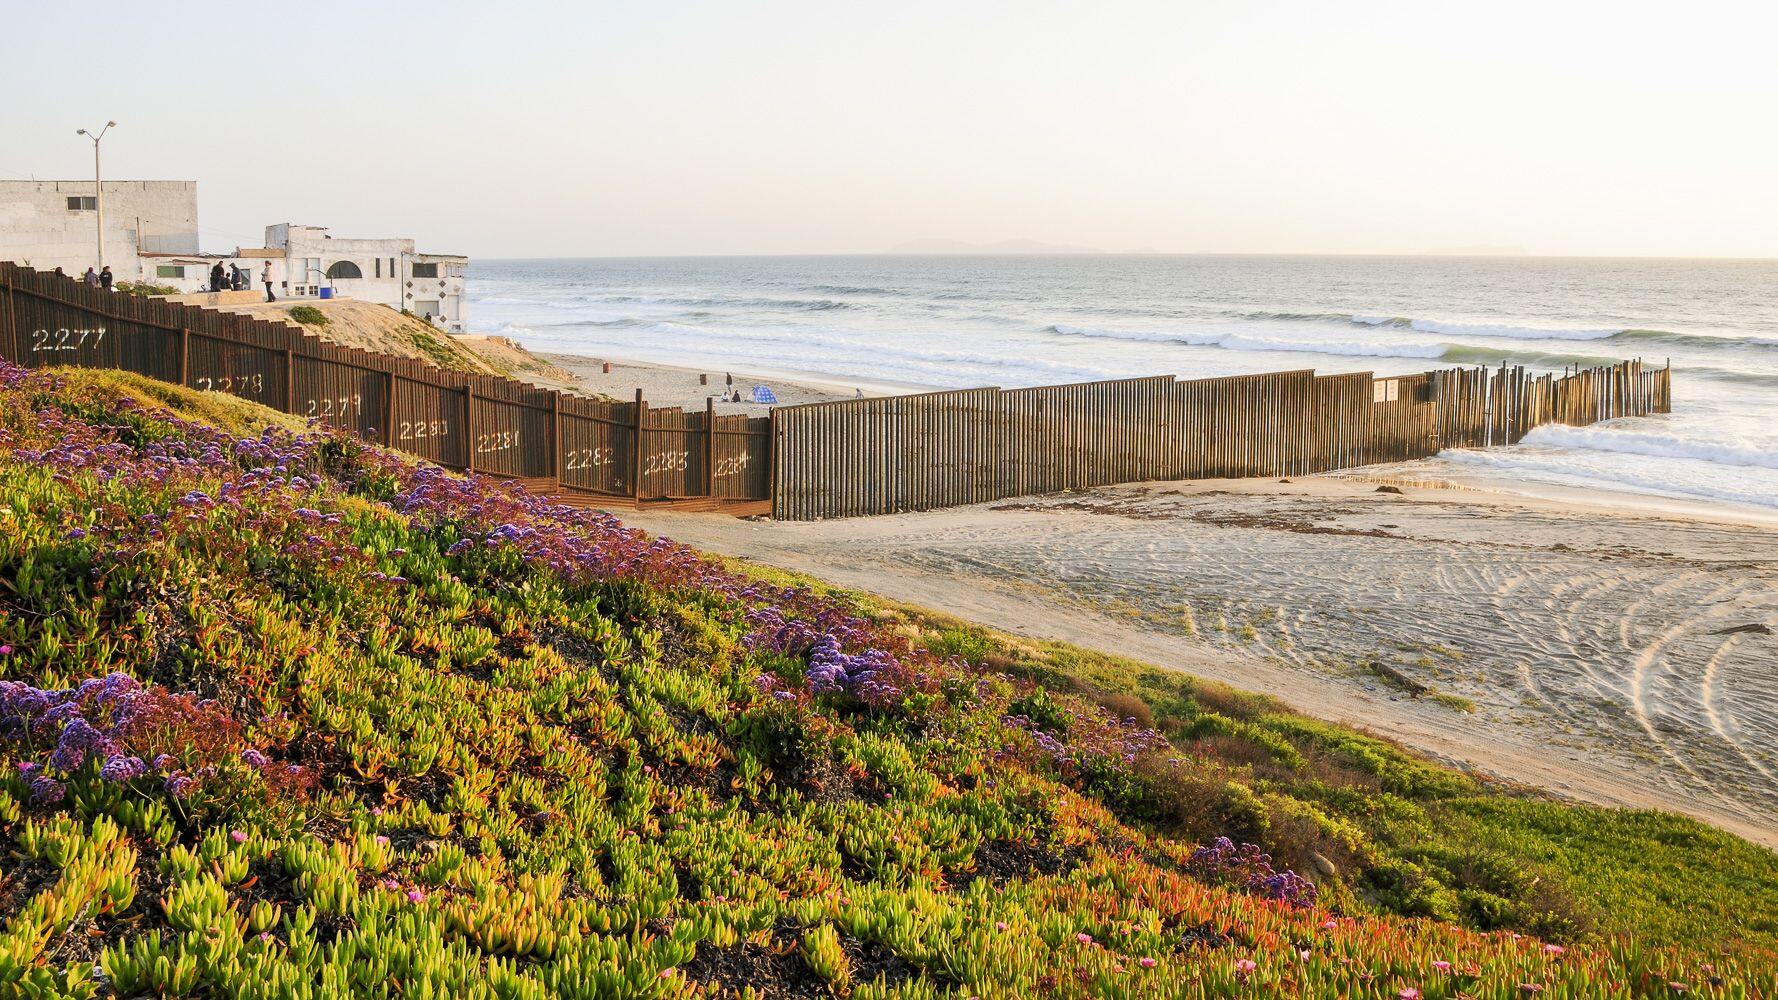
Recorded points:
(66, 340)
(496, 441)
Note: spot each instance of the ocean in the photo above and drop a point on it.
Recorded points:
(915, 321)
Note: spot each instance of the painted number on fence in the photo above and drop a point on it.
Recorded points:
(496, 441)
(335, 408)
(66, 339)
(243, 385)
(414, 430)
(666, 461)
(731, 466)
(589, 458)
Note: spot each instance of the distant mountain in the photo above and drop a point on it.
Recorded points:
(943, 246)
(1478, 250)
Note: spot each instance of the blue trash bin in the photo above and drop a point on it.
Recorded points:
(326, 293)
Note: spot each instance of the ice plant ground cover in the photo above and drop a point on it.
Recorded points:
(284, 716)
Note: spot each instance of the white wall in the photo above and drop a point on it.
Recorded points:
(38, 228)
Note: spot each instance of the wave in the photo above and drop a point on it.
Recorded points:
(582, 301)
(1450, 329)
(1244, 342)
(1562, 469)
(1653, 444)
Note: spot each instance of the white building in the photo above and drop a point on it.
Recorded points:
(51, 224)
(151, 236)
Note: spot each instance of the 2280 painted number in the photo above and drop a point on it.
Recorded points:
(242, 385)
(414, 430)
(666, 461)
(66, 340)
(335, 407)
(496, 441)
(590, 458)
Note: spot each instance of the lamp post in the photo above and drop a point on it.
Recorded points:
(98, 188)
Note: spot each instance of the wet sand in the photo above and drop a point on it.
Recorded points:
(1604, 652)
(671, 385)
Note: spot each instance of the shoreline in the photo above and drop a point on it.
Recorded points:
(1601, 653)
(678, 384)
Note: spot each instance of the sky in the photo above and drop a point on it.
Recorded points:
(612, 129)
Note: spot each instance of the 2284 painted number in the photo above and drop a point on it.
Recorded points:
(731, 466)
(66, 340)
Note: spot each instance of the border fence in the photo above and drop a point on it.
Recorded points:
(836, 459)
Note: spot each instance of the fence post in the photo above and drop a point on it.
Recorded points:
(13, 346)
(184, 357)
(389, 408)
(555, 434)
(709, 446)
(289, 380)
(468, 427)
(636, 453)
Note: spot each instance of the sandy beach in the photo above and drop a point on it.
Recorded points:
(673, 385)
(1601, 651)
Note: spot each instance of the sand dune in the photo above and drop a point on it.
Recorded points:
(1612, 655)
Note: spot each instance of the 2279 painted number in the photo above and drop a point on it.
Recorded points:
(66, 340)
(414, 430)
(496, 441)
(335, 408)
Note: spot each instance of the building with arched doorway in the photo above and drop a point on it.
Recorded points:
(307, 259)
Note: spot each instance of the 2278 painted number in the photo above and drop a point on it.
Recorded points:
(496, 441)
(243, 385)
(66, 340)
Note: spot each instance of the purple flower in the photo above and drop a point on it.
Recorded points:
(47, 791)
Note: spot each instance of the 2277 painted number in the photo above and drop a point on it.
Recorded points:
(242, 385)
(496, 441)
(414, 430)
(335, 408)
(66, 340)
(590, 458)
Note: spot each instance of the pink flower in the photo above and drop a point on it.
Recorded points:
(1407, 993)
(1553, 949)
(1442, 966)
(382, 841)
(5, 650)
(666, 973)
(415, 896)
(1330, 924)
(1146, 963)
(1530, 989)
(1243, 966)
(237, 836)
(1000, 925)
(1084, 938)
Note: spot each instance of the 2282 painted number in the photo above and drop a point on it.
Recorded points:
(241, 385)
(66, 340)
(414, 430)
(590, 458)
(496, 441)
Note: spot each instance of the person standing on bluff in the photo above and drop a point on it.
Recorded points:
(265, 275)
(105, 278)
(218, 279)
(91, 277)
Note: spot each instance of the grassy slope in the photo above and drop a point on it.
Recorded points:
(534, 756)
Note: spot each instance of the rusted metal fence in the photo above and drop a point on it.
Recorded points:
(568, 444)
(942, 449)
(838, 459)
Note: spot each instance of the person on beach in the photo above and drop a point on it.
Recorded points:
(266, 276)
(237, 278)
(59, 272)
(91, 277)
(218, 279)
(105, 278)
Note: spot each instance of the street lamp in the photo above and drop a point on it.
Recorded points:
(98, 187)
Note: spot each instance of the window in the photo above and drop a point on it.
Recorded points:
(344, 269)
(169, 271)
(82, 203)
(425, 270)
(379, 263)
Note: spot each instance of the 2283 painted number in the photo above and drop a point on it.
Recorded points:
(414, 430)
(335, 408)
(241, 385)
(590, 458)
(66, 340)
(496, 441)
(666, 461)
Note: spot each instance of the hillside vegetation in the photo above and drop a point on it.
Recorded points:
(287, 716)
